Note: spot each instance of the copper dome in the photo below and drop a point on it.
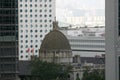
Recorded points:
(55, 40)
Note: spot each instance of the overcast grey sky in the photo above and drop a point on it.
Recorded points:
(67, 7)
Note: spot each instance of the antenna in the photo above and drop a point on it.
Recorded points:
(55, 24)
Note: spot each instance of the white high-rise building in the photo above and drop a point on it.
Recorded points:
(35, 21)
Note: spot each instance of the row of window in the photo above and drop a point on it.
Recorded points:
(30, 51)
(35, 0)
(21, 31)
(36, 20)
(26, 15)
(36, 46)
(87, 41)
(26, 36)
(31, 5)
(36, 25)
(89, 46)
(36, 10)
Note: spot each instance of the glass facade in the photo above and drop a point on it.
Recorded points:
(8, 39)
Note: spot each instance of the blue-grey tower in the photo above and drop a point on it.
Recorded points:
(8, 39)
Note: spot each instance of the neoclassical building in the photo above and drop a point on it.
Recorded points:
(55, 47)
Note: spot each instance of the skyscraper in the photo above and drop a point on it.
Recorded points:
(8, 39)
(112, 17)
(35, 21)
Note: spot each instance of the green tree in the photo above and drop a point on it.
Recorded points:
(49, 71)
(95, 74)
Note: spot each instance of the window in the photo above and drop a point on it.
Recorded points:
(45, 21)
(40, 10)
(21, 56)
(26, 10)
(26, 36)
(21, 36)
(21, 41)
(35, 20)
(35, 30)
(40, 15)
(26, 46)
(21, 46)
(50, 15)
(30, 10)
(50, 20)
(40, 20)
(31, 25)
(25, 5)
(46, 25)
(40, 35)
(31, 46)
(26, 20)
(36, 25)
(50, 5)
(20, 10)
(36, 15)
(35, 5)
(36, 40)
(31, 41)
(40, 25)
(40, 30)
(26, 41)
(31, 36)
(36, 46)
(45, 31)
(26, 25)
(20, 5)
(26, 15)
(36, 51)
(45, 15)
(45, 10)
(36, 36)
(40, 5)
(31, 30)
(21, 51)
(26, 56)
(45, 5)
(21, 31)
(21, 15)
(31, 21)
(50, 10)
(31, 15)
(30, 5)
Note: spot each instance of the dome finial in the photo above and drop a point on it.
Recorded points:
(55, 24)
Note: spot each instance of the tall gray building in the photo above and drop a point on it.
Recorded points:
(8, 39)
(112, 16)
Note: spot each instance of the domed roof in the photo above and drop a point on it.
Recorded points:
(55, 40)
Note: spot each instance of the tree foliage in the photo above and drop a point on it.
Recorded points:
(95, 74)
(49, 71)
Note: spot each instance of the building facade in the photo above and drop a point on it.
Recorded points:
(35, 21)
(86, 43)
(112, 15)
(8, 39)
